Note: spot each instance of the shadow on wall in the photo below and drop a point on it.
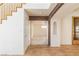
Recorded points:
(54, 28)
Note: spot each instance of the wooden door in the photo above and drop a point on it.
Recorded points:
(76, 30)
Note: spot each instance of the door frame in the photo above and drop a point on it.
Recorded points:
(73, 18)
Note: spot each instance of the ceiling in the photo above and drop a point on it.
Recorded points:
(39, 9)
(37, 5)
(66, 9)
(44, 9)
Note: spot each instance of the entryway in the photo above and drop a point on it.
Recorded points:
(39, 32)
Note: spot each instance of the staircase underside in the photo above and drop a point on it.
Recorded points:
(6, 9)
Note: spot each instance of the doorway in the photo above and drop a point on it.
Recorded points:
(76, 30)
(39, 32)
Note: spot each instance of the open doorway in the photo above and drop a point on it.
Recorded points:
(39, 32)
(76, 30)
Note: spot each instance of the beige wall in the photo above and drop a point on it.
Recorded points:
(64, 25)
(39, 35)
(67, 28)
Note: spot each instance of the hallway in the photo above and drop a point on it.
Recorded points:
(39, 25)
(37, 50)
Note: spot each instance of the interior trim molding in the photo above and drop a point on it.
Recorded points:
(36, 18)
(57, 7)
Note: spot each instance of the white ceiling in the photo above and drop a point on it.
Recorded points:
(39, 9)
(45, 9)
(67, 9)
(37, 5)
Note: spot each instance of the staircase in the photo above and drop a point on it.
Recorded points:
(6, 9)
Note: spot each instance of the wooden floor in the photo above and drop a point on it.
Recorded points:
(49, 51)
